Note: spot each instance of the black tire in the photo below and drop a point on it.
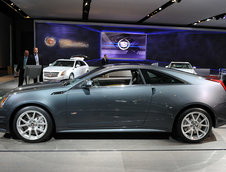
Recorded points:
(36, 121)
(193, 125)
(71, 76)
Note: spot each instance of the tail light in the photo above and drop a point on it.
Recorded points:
(219, 81)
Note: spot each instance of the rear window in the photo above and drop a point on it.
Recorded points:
(154, 77)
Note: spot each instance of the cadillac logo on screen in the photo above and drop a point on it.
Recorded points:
(123, 44)
(50, 41)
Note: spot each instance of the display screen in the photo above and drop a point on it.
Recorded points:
(61, 41)
(119, 45)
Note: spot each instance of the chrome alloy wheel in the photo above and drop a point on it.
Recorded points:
(195, 125)
(31, 125)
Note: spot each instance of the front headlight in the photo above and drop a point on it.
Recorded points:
(62, 73)
(3, 101)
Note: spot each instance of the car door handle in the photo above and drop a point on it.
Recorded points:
(153, 91)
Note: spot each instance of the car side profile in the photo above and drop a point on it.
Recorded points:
(117, 98)
(63, 69)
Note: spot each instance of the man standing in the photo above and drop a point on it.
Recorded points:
(21, 67)
(37, 60)
(105, 60)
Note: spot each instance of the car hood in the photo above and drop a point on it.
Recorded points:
(55, 69)
(39, 86)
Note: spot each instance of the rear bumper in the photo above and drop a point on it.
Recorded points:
(220, 112)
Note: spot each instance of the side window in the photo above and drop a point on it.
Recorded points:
(154, 77)
(82, 63)
(78, 63)
(118, 78)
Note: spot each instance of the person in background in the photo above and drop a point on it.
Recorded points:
(37, 60)
(21, 66)
(105, 60)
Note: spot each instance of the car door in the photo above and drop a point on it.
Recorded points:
(113, 102)
(77, 69)
(167, 91)
(83, 67)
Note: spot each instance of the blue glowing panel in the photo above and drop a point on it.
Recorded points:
(118, 45)
(59, 40)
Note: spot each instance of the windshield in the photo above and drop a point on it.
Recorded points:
(181, 66)
(63, 63)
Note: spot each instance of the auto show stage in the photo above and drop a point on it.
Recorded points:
(112, 152)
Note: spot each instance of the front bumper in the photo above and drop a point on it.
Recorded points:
(3, 121)
(53, 79)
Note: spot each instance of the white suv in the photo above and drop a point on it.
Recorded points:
(182, 66)
(63, 69)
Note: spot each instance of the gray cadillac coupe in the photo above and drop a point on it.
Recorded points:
(117, 98)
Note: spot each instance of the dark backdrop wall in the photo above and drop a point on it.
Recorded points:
(204, 49)
(5, 23)
(22, 35)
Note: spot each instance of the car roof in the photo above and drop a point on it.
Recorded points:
(192, 78)
(71, 59)
(181, 62)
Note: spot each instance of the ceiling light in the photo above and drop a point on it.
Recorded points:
(86, 3)
(12, 4)
(160, 8)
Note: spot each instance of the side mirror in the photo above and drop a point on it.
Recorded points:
(50, 64)
(77, 65)
(167, 66)
(194, 67)
(88, 84)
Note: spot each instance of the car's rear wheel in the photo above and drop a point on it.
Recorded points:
(193, 125)
(71, 76)
(32, 124)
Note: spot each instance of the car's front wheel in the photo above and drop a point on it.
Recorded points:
(32, 124)
(193, 125)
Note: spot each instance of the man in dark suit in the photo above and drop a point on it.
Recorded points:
(105, 60)
(37, 60)
(25, 60)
